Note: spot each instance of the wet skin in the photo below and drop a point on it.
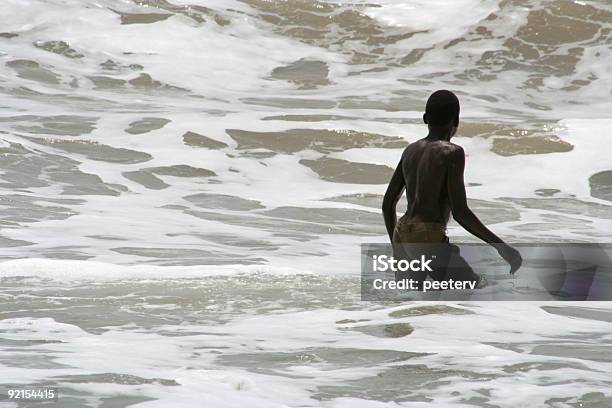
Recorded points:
(431, 172)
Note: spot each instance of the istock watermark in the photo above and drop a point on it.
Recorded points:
(465, 272)
(384, 263)
(428, 285)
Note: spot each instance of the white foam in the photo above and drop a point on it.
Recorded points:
(222, 65)
(73, 270)
(438, 17)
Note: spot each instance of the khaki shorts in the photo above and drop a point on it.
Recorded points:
(448, 263)
(416, 232)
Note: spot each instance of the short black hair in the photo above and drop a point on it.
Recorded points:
(442, 107)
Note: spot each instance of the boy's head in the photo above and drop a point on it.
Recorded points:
(442, 109)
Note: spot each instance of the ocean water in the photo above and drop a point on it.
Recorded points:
(185, 185)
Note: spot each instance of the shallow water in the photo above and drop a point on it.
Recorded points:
(114, 338)
(255, 138)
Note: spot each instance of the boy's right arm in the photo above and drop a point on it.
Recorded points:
(466, 218)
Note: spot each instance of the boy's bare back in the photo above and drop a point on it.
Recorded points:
(425, 165)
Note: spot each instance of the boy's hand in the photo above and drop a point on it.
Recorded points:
(512, 256)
